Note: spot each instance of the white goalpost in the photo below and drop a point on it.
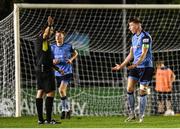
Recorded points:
(17, 61)
(100, 34)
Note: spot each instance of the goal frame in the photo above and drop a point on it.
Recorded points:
(19, 6)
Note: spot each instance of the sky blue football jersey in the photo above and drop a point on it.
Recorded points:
(137, 44)
(62, 53)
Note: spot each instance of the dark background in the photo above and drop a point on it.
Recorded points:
(6, 6)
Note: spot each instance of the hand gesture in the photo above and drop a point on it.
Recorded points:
(117, 67)
(50, 21)
(69, 61)
(61, 71)
(131, 66)
(56, 61)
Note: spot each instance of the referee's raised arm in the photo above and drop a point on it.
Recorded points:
(49, 29)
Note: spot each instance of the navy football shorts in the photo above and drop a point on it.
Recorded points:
(66, 78)
(142, 75)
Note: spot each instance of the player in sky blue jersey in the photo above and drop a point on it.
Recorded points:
(142, 68)
(63, 55)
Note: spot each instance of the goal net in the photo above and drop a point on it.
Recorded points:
(100, 34)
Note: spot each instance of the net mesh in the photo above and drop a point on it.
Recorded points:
(98, 36)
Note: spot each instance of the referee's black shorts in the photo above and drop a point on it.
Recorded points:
(45, 80)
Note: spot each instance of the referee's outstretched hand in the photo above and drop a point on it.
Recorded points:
(50, 21)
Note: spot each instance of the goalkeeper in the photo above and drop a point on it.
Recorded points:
(45, 74)
(63, 55)
(142, 68)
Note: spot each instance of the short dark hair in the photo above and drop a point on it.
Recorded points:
(134, 20)
(61, 31)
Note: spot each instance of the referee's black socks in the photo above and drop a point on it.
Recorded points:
(39, 106)
(49, 106)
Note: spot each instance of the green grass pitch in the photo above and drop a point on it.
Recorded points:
(93, 122)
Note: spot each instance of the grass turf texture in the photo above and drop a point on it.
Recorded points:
(93, 122)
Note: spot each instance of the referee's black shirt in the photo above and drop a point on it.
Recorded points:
(42, 57)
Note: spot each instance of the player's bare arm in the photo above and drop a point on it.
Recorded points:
(125, 62)
(173, 77)
(74, 56)
(56, 61)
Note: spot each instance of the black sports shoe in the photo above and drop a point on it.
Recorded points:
(40, 122)
(68, 116)
(52, 122)
(63, 114)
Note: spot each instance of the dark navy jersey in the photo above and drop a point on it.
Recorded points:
(43, 56)
(62, 53)
(138, 41)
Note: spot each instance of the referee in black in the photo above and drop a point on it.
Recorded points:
(45, 74)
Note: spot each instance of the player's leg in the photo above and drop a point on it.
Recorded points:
(130, 98)
(168, 101)
(49, 105)
(62, 92)
(143, 101)
(145, 79)
(50, 92)
(39, 105)
(67, 79)
(133, 78)
(64, 82)
(160, 102)
(61, 89)
(163, 100)
(39, 97)
(130, 94)
(169, 107)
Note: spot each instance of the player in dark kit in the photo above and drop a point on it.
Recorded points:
(45, 74)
